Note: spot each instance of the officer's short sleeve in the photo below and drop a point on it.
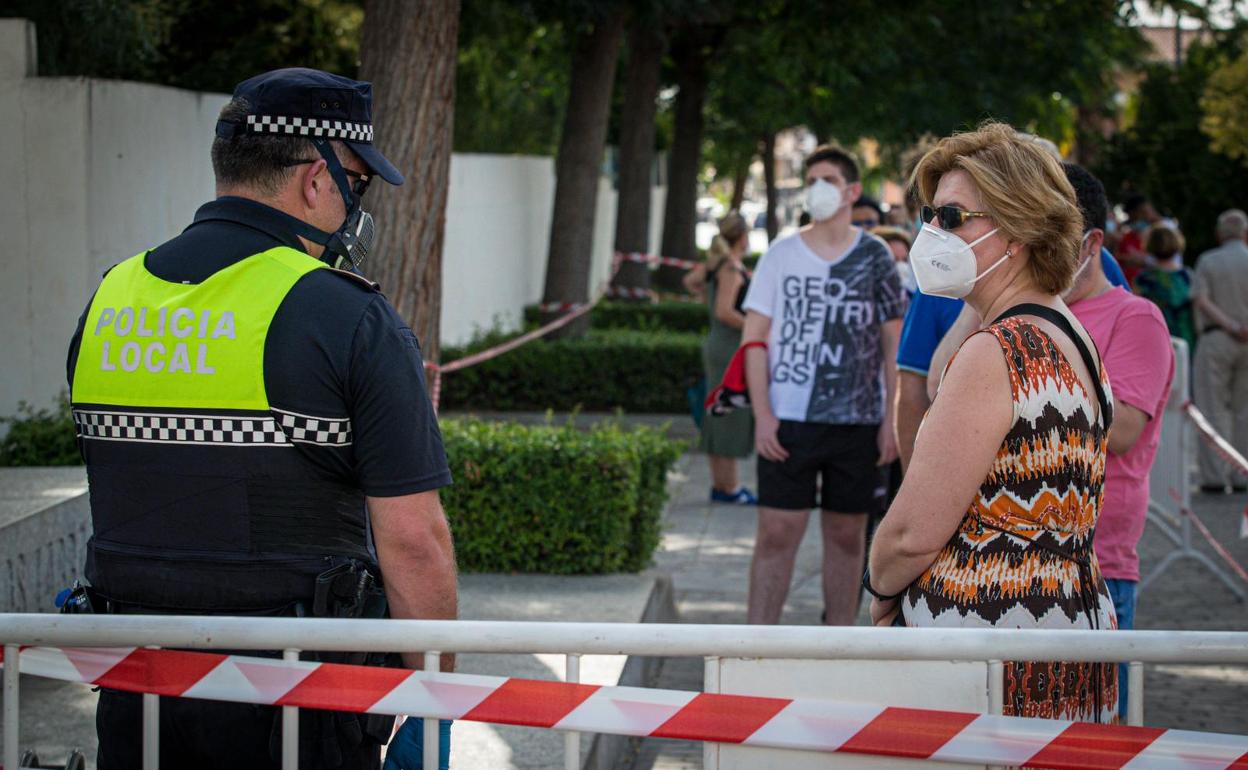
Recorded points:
(398, 447)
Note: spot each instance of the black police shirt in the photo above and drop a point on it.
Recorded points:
(334, 347)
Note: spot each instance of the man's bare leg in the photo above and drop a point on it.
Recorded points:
(723, 473)
(775, 549)
(844, 541)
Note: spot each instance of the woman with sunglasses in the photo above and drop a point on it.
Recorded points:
(993, 524)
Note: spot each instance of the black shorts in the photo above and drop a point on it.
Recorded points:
(831, 466)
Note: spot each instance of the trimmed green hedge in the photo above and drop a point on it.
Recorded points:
(640, 372)
(525, 499)
(671, 316)
(553, 499)
(40, 436)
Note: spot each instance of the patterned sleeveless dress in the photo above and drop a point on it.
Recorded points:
(1022, 556)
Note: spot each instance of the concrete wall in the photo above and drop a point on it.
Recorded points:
(97, 171)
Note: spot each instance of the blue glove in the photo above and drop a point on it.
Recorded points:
(407, 747)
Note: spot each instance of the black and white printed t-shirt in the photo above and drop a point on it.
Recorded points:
(824, 350)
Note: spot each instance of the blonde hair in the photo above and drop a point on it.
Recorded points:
(1163, 242)
(732, 228)
(1024, 190)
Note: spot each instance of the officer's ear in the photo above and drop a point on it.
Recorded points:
(314, 182)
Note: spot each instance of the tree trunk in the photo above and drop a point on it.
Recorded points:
(769, 178)
(637, 127)
(579, 164)
(408, 52)
(690, 54)
(738, 185)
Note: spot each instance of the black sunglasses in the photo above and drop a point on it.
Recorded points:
(361, 181)
(949, 217)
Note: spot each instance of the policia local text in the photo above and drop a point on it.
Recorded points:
(179, 323)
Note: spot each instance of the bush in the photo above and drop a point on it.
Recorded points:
(635, 371)
(668, 315)
(553, 499)
(40, 436)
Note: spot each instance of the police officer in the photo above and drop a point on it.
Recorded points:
(254, 421)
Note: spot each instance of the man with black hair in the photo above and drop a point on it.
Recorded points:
(1134, 343)
(866, 213)
(253, 417)
(827, 303)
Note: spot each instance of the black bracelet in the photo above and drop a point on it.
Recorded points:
(866, 583)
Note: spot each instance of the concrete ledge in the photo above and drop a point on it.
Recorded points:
(45, 520)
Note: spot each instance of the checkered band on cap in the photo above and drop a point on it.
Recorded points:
(329, 129)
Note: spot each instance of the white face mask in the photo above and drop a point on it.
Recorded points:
(823, 200)
(944, 264)
(905, 271)
(1074, 279)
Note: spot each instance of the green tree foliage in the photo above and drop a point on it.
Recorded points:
(100, 38)
(1225, 105)
(202, 45)
(1165, 155)
(896, 71)
(511, 86)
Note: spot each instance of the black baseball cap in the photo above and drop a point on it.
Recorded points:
(312, 103)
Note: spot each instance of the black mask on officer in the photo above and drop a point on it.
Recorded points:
(348, 246)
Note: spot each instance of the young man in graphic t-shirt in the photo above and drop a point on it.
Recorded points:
(827, 301)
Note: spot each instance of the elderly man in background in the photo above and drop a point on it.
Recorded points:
(1220, 379)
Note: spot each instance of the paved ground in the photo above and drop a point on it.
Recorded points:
(707, 550)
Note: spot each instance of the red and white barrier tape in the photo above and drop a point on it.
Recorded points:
(572, 310)
(630, 292)
(854, 728)
(1224, 450)
(654, 259)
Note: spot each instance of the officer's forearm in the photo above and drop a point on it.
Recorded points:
(417, 561)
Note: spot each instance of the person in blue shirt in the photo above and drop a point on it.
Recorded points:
(927, 320)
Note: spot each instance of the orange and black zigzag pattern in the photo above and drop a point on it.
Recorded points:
(1014, 561)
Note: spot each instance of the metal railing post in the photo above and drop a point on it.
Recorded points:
(710, 684)
(433, 664)
(151, 731)
(290, 726)
(1135, 694)
(572, 738)
(996, 690)
(12, 674)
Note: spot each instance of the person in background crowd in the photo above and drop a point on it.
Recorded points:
(1141, 216)
(726, 438)
(827, 303)
(898, 242)
(1220, 377)
(866, 213)
(898, 217)
(1168, 284)
(1135, 346)
(977, 518)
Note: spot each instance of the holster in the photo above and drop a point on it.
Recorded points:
(348, 590)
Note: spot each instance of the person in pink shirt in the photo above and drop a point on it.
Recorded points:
(1134, 344)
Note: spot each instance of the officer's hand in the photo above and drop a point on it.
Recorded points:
(407, 747)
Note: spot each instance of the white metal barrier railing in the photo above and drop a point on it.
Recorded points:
(574, 639)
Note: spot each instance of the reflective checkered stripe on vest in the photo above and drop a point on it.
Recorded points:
(202, 494)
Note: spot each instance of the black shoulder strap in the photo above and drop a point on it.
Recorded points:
(1063, 323)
